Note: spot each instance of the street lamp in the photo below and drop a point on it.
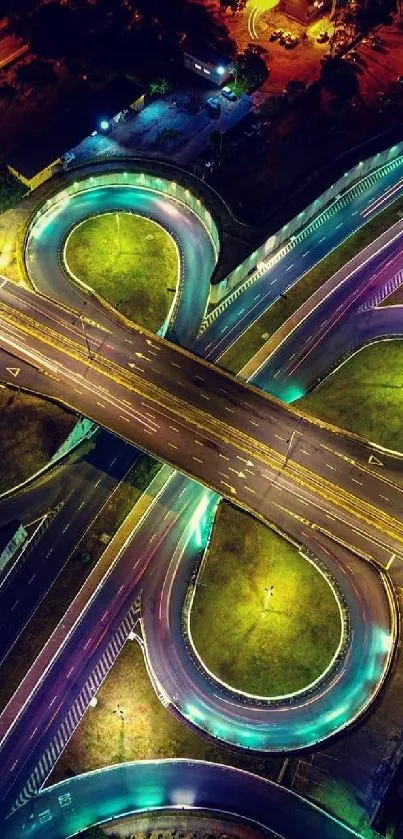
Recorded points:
(270, 593)
(80, 315)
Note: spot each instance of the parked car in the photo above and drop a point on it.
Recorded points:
(276, 34)
(229, 94)
(291, 42)
(322, 37)
(284, 36)
(213, 106)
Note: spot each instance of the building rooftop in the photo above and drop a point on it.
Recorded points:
(208, 56)
(70, 128)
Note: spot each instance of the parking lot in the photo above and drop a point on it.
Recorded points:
(177, 126)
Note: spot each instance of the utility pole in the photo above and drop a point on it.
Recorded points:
(290, 442)
(80, 315)
(90, 356)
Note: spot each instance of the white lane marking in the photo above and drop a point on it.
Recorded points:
(390, 561)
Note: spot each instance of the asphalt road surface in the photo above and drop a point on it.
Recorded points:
(208, 424)
(345, 318)
(320, 237)
(66, 808)
(291, 520)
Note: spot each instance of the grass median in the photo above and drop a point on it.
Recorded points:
(130, 261)
(147, 732)
(264, 641)
(365, 395)
(24, 420)
(253, 339)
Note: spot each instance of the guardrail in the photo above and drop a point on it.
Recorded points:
(133, 179)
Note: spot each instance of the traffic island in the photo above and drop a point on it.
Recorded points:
(128, 260)
(364, 395)
(264, 619)
(130, 723)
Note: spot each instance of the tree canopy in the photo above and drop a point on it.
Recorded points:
(126, 35)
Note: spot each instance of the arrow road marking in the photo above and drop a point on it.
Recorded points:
(240, 474)
(248, 462)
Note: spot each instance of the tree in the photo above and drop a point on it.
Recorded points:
(144, 36)
(251, 65)
(7, 92)
(233, 5)
(53, 31)
(339, 78)
(36, 73)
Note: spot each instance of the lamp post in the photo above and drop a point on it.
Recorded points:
(90, 356)
(270, 593)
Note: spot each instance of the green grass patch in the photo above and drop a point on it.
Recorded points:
(365, 395)
(31, 430)
(147, 732)
(264, 645)
(395, 299)
(130, 261)
(253, 339)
